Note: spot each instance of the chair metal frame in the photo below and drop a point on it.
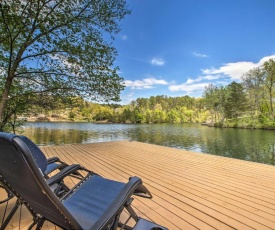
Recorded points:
(64, 213)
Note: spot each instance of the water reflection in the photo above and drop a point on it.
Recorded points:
(71, 133)
(251, 145)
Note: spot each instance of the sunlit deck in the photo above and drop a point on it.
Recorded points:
(190, 190)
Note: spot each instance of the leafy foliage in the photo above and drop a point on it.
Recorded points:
(168, 110)
(249, 104)
(58, 47)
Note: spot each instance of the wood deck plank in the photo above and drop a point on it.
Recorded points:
(197, 198)
(190, 190)
(133, 166)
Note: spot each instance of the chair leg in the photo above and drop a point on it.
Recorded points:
(38, 222)
(30, 227)
(132, 214)
(131, 210)
(14, 209)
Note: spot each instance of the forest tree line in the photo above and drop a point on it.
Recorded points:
(247, 104)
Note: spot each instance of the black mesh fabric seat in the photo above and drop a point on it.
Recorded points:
(94, 203)
(98, 199)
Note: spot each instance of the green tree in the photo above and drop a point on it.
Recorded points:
(142, 103)
(210, 95)
(268, 80)
(138, 117)
(236, 101)
(173, 116)
(223, 94)
(148, 116)
(104, 113)
(254, 90)
(58, 47)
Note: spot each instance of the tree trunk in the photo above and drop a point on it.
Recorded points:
(4, 102)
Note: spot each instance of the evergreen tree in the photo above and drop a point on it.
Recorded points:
(236, 102)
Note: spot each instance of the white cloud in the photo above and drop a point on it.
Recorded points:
(192, 81)
(234, 70)
(200, 55)
(146, 83)
(188, 88)
(123, 37)
(202, 78)
(212, 77)
(231, 70)
(217, 76)
(192, 85)
(264, 59)
(157, 61)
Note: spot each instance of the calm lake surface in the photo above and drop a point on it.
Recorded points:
(251, 145)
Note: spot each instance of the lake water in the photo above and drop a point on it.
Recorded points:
(251, 145)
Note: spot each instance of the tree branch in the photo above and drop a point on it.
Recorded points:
(41, 72)
(43, 53)
(41, 92)
(60, 25)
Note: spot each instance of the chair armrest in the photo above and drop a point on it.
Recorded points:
(68, 170)
(142, 191)
(53, 160)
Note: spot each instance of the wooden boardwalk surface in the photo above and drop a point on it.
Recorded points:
(190, 190)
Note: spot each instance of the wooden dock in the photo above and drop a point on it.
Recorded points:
(190, 190)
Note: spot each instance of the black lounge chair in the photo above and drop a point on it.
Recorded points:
(46, 166)
(95, 203)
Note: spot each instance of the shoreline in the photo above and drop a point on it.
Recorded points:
(210, 125)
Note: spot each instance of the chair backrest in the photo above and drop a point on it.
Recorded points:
(19, 171)
(37, 154)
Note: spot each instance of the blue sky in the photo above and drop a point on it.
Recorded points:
(177, 47)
